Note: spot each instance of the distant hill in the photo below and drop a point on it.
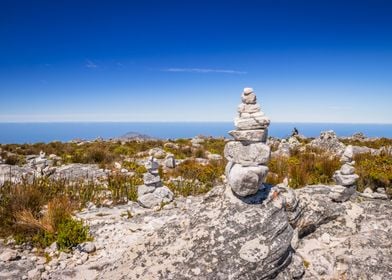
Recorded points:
(135, 136)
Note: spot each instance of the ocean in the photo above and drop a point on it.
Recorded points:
(47, 132)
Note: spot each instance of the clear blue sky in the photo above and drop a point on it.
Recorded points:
(309, 61)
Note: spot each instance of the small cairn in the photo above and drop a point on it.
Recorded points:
(345, 177)
(153, 193)
(248, 154)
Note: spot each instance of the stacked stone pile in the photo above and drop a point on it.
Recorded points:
(345, 178)
(153, 193)
(248, 154)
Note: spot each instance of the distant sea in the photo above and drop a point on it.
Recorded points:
(47, 132)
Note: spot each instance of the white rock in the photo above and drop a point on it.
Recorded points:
(248, 90)
(34, 274)
(347, 169)
(248, 108)
(255, 135)
(368, 190)
(246, 181)
(88, 247)
(160, 195)
(150, 179)
(249, 98)
(252, 154)
(143, 189)
(345, 180)
(251, 123)
(9, 255)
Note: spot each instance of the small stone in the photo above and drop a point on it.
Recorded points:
(34, 274)
(248, 108)
(368, 190)
(88, 247)
(248, 90)
(170, 161)
(251, 123)
(143, 189)
(150, 179)
(255, 135)
(8, 256)
(347, 169)
(341, 193)
(345, 180)
(249, 98)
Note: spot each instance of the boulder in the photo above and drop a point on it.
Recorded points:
(156, 198)
(255, 135)
(341, 193)
(248, 108)
(151, 179)
(247, 180)
(170, 161)
(345, 180)
(247, 154)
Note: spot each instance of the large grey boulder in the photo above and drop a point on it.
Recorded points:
(247, 154)
(328, 141)
(246, 180)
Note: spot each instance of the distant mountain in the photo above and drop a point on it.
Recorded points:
(135, 136)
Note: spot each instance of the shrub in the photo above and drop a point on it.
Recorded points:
(374, 171)
(71, 233)
(199, 178)
(303, 168)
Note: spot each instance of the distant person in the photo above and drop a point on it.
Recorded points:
(295, 132)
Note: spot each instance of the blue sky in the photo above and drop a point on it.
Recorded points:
(308, 61)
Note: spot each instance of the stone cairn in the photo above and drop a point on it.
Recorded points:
(248, 154)
(153, 193)
(345, 177)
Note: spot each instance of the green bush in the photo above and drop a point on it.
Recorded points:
(71, 233)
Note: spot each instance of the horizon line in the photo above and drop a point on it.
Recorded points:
(190, 121)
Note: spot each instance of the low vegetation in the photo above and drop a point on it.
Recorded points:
(303, 168)
(376, 143)
(195, 178)
(374, 172)
(41, 211)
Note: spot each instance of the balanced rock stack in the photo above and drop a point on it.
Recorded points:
(248, 154)
(345, 178)
(153, 193)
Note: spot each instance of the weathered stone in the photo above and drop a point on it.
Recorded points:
(9, 255)
(88, 247)
(248, 91)
(347, 169)
(345, 180)
(247, 154)
(170, 161)
(255, 135)
(246, 181)
(160, 195)
(151, 179)
(151, 164)
(143, 189)
(251, 123)
(248, 108)
(341, 193)
(249, 98)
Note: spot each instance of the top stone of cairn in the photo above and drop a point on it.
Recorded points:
(250, 117)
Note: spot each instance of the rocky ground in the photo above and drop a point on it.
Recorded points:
(280, 233)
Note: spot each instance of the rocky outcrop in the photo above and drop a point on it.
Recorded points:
(248, 154)
(328, 141)
(217, 237)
